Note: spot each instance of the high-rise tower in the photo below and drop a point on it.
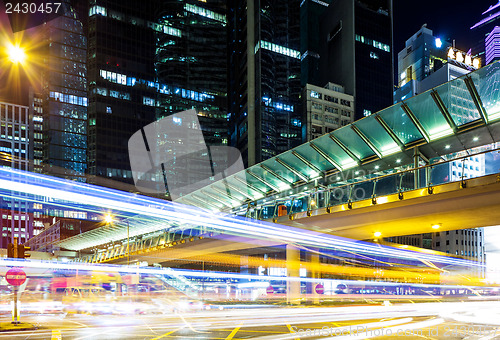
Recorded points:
(357, 51)
(264, 77)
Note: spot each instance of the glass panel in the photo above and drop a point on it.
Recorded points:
(339, 195)
(269, 178)
(407, 181)
(322, 199)
(457, 99)
(297, 164)
(441, 173)
(428, 114)
(387, 185)
(228, 192)
(400, 124)
(362, 191)
(312, 156)
(352, 141)
(250, 180)
(281, 170)
(487, 80)
(378, 136)
(335, 152)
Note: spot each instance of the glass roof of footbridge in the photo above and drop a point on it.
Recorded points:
(455, 116)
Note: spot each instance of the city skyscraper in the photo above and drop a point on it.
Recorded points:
(487, 27)
(15, 152)
(64, 96)
(194, 60)
(326, 109)
(122, 92)
(357, 50)
(264, 77)
(311, 41)
(147, 63)
(426, 61)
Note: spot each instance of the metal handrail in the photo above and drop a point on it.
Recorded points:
(401, 173)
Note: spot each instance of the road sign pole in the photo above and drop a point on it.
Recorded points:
(15, 313)
(15, 277)
(15, 248)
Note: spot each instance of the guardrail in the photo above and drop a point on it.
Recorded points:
(455, 170)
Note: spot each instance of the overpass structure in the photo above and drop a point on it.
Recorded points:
(144, 224)
(456, 118)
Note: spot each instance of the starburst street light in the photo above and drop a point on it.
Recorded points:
(16, 54)
(108, 219)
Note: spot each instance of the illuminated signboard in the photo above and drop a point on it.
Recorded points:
(464, 58)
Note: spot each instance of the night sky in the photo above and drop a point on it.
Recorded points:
(448, 20)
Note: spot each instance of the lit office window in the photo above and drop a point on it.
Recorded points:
(277, 49)
(374, 43)
(97, 10)
(205, 13)
(315, 94)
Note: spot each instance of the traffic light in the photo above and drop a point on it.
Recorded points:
(10, 250)
(17, 251)
(21, 249)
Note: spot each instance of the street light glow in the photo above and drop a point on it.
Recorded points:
(16, 54)
(108, 218)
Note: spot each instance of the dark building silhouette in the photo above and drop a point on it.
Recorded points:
(264, 77)
(61, 105)
(149, 61)
(193, 60)
(122, 92)
(356, 51)
(311, 41)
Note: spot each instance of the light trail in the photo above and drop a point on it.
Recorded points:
(50, 190)
(49, 265)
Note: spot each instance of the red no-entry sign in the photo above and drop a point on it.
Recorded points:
(15, 276)
(320, 289)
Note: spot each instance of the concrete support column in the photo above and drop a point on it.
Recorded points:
(292, 270)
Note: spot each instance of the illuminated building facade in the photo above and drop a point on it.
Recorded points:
(356, 52)
(487, 28)
(122, 92)
(326, 109)
(193, 58)
(427, 61)
(492, 45)
(15, 152)
(264, 77)
(147, 62)
(64, 97)
(467, 243)
(57, 231)
(422, 55)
